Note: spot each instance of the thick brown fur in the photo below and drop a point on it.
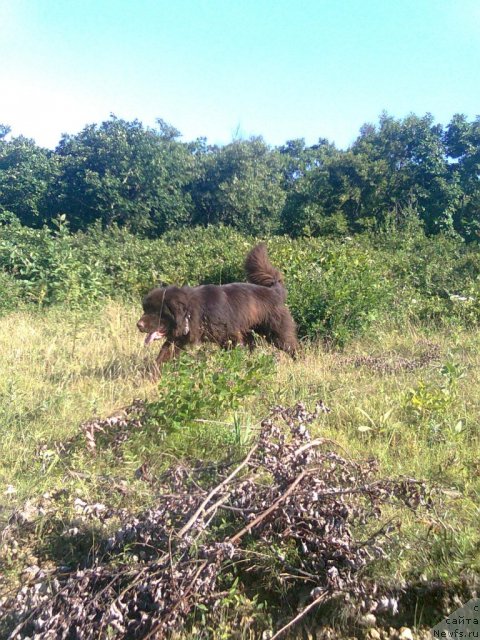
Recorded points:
(227, 314)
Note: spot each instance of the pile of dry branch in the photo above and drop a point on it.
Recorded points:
(292, 498)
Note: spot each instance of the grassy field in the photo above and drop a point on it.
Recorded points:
(408, 396)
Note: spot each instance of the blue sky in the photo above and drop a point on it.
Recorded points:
(282, 69)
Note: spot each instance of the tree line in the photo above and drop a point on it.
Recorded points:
(149, 181)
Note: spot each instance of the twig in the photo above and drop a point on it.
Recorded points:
(217, 504)
(250, 552)
(265, 513)
(214, 491)
(161, 623)
(364, 488)
(376, 533)
(302, 613)
(309, 445)
(212, 510)
(203, 421)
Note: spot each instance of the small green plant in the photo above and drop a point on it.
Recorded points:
(433, 398)
(427, 399)
(204, 386)
(379, 424)
(235, 609)
(430, 403)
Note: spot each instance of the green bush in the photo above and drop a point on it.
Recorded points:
(11, 293)
(200, 408)
(50, 266)
(336, 287)
(436, 278)
(203, 387)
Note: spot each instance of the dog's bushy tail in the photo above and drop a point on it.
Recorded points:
(259, 270)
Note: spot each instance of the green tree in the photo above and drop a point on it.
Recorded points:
(298, 159)
(328, 190)
(239, 185)
(396, 166)
(462, 139)
(121, 172)
(312, 204)
(409, 162)
(26, 173)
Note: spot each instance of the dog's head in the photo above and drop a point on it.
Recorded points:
(165, 314)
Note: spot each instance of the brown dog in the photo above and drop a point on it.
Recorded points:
(224, 314)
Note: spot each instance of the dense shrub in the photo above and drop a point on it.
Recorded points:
(335, 289)
(52, 265)
(11, 293)
(435, 278)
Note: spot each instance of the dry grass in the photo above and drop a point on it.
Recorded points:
(418, 422)
(58, 369)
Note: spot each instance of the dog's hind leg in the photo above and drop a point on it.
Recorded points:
(283, 333)
(235, 339)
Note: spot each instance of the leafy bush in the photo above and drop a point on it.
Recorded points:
(335, 290)
(50, 266)
(436, 278)
(11, 292)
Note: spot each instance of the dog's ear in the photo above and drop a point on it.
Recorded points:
(179, 311)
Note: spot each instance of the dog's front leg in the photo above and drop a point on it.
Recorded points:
(249, 341)
(168, 351)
